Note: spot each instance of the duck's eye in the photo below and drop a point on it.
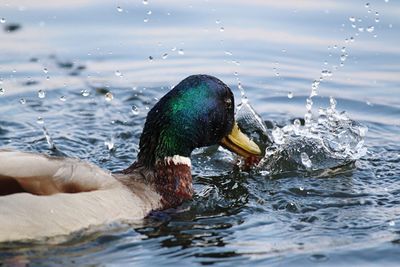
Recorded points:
(228, 103)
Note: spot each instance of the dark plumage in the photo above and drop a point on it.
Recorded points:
(198, 112)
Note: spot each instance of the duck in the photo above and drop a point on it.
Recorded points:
(44, 197)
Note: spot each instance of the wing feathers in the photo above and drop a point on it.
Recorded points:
(43, 175)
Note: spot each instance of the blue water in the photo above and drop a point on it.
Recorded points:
(75, 51)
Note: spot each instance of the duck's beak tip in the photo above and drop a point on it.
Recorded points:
(241, 144)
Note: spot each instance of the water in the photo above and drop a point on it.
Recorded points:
(330, 208)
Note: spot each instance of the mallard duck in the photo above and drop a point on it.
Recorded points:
(42, 196)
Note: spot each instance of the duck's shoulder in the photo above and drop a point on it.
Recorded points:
(138, 179)
(44, 175)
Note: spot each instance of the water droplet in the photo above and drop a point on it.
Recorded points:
(361, 29)
(221, 29)
(343, 57)
(109, 96)
(151, 58)
(41, 93)
(2, 91)
(290, 95)
(352, 19)
(322, 118)
(228, 53)
(145, 2)
(118, 73)
(135, 110)
(305, 160)
(181, 52)
(218, 21)
(308, 118)
(309, 104)
(149, 12)
(392, 223)
(314, 92)
(145, 20)
(119, 9)
(343, 49)
(315, 84)
(240, 87)
(352, 39)
(296, 123)
(353, 26)
(376, 20)
(326, 73)
(45, 70)
(332, 102)
(277, 135)
(367, 5)
(363, 131)
(22, 101)
(370, 29)
(63, 98)
(85, 93)
(109, 144)
(40, 120)
(2, 20)
(164, 56)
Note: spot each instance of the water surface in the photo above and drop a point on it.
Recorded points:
(75, 51)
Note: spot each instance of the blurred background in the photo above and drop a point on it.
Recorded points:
(276, 47)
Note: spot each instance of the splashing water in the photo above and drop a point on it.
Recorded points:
(49, 140)
(252, 124)
(329, 141)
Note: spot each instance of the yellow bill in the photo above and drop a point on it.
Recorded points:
(240, 144)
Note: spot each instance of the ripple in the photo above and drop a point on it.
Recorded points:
(235, 216)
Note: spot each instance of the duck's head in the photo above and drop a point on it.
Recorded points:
(197, 112)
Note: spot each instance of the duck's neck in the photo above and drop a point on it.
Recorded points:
(171, 178)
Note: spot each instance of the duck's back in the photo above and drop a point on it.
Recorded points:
(43, 175)
(45, 197)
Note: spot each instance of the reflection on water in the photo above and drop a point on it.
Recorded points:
(81, 76)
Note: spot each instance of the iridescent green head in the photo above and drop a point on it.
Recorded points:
(198, 112)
